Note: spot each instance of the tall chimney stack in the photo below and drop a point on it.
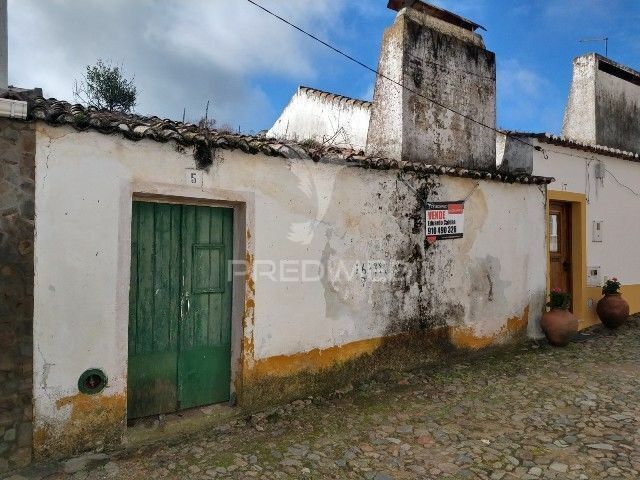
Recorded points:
(4, 46)
(604, 104)
(436, 55)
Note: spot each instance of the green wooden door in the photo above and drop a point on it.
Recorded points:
(179, 308)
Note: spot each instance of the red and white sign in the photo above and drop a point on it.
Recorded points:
(444, 220)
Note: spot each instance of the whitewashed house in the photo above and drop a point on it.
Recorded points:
(152, 266)
(594, 201)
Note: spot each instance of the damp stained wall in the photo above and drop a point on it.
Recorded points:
(421, 61)
(483, 289)
(604, 104)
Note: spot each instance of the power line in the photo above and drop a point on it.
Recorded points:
(590, 160)
(453, 69)
(622, 184)
(380, 74)
(582, 156)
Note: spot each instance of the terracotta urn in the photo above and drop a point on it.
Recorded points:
(613, 310)
(560, 326)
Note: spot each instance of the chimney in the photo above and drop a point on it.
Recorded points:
(604, 104)
(4, 46)
(438, 55)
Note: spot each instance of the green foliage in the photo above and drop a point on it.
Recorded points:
(105, 87)
(559, 299)
(611, 286)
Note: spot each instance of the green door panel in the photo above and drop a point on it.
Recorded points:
(154, 301)
(205, 376)
(204, 367)
(152, 384)
(180, 307)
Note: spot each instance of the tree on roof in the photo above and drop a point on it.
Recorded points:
(105, 87)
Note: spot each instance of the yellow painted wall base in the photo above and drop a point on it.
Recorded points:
(465, 338)
(279, 379)
(313, 360)
(631, 293)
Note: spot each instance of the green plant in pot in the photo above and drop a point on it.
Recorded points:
(612, 309)
(558, 324)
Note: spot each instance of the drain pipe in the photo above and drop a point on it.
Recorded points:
(13, 108)
(8, 108)
(4, 46)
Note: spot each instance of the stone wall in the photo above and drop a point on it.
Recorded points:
(17, 187)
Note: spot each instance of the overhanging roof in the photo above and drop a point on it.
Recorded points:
(436, 12)
(134, 127)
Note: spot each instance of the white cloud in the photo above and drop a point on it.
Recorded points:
(238, 37)
(182, 53)
(515, 80)
(522, 95)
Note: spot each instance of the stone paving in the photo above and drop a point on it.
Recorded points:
(530, 413)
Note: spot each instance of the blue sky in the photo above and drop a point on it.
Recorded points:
(185, 53)
(534, 41)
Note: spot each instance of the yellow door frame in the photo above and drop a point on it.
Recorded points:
(578, 202)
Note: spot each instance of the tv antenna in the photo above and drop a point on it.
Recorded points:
(598, 39)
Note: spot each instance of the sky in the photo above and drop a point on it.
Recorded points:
(183, 53)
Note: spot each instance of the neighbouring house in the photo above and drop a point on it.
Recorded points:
(594, 202)
(325, 119)
(429, 57)
(149, 266)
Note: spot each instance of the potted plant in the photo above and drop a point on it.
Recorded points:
(612, 309)
(558, 324)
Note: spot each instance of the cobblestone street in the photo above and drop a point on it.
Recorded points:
(534, 412)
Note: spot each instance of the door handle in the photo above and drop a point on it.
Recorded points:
(184, 299)
(183, 313)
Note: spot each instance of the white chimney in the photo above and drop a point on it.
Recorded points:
(4, 46)
(436, 55)
(604, 104)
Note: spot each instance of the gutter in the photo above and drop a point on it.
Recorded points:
(13, 109)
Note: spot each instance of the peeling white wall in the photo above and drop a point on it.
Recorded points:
(295, 210)
(323, 118)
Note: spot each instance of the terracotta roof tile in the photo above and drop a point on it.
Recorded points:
(136, 127)
(334, 96)
(561, 141)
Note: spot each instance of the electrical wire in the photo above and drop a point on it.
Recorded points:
(622, 184)
(435, 102)
(588, 180)
(453, 69)
(380, 74)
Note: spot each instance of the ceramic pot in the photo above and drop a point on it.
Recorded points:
(560, 326)
(613, 310)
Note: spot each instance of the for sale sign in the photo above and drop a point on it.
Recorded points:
(444, 220)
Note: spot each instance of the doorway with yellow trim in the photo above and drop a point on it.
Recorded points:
(560, 247)
(567, 248)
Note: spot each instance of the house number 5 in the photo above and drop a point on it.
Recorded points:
(194, 177)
